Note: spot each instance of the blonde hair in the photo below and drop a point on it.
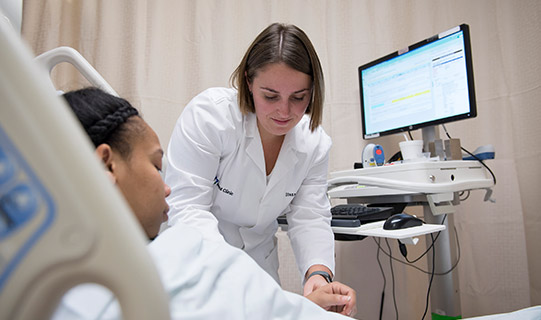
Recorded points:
(287, 44)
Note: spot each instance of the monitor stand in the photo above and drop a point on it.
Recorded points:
(430, 134)
(444, 298)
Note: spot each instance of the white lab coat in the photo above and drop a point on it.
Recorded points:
(205, 279)
(216, 171)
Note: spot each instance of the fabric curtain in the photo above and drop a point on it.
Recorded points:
(159, 54)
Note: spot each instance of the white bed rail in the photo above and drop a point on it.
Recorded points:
(58, 55)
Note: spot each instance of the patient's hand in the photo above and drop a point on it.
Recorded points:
(336, 297)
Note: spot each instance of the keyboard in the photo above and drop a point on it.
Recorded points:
(353, 215)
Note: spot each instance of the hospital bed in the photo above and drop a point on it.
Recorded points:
(62, 222)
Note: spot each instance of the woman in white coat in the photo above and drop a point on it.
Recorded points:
(239, 158)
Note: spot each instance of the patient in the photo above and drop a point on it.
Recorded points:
(204, 279)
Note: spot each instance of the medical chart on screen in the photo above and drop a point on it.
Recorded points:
(425, 84)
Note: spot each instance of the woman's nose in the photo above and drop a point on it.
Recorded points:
(167, 190)
(283, 108)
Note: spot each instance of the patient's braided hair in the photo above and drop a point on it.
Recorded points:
(105, 118)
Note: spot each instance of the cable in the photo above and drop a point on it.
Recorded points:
(428, 272)
(411, 137)
(424, 271)
(474, 156)
(431, 276)
(424, 253)
(432, 272)
(428, 249)
(482, 162)
(410, 263)
(392, 277)
(403, 249)
(384, 281)
(466, 197)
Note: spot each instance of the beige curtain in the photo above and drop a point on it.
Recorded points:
(159, 54)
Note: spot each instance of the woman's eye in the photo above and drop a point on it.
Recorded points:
(271, 98)
(298, 98)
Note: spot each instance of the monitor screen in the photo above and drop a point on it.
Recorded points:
(428, 83)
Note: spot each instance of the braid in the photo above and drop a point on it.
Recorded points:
(102, 128)
(105, 118)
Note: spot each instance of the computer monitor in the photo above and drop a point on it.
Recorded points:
(425, 84)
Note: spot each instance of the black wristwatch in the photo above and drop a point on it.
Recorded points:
(324, 274)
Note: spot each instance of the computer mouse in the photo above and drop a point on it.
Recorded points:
(401, 221)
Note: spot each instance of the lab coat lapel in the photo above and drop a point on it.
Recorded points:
(287, 160)
(254, 148)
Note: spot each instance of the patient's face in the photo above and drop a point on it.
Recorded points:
(139, 179)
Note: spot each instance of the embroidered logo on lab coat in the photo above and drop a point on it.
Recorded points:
(224, 190)
(290, 194)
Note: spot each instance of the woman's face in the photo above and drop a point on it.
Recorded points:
(281, 95)
(138, 178)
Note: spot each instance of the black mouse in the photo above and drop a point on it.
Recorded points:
(401, 221)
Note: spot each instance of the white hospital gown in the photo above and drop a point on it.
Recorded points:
(204, 280)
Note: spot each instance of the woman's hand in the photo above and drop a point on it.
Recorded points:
(336, 297)
(315, 281)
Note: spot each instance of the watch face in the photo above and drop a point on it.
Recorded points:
(327, 277)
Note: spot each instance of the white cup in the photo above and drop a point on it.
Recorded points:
(411, 149)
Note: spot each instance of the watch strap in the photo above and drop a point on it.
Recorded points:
(324, 274)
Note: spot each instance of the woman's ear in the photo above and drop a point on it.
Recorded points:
(105, 154)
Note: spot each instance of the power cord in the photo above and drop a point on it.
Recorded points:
(403, 250)
(427, 249)
(424, 271)
(471, 154)
(384, 281)
(462, 193)
(392, 277)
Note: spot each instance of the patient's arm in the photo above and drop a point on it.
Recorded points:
(336, 297)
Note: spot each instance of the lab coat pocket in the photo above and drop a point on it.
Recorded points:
(271, 261)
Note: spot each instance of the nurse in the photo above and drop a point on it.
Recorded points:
(239, 158)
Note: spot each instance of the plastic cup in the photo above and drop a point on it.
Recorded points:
(411, 149)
